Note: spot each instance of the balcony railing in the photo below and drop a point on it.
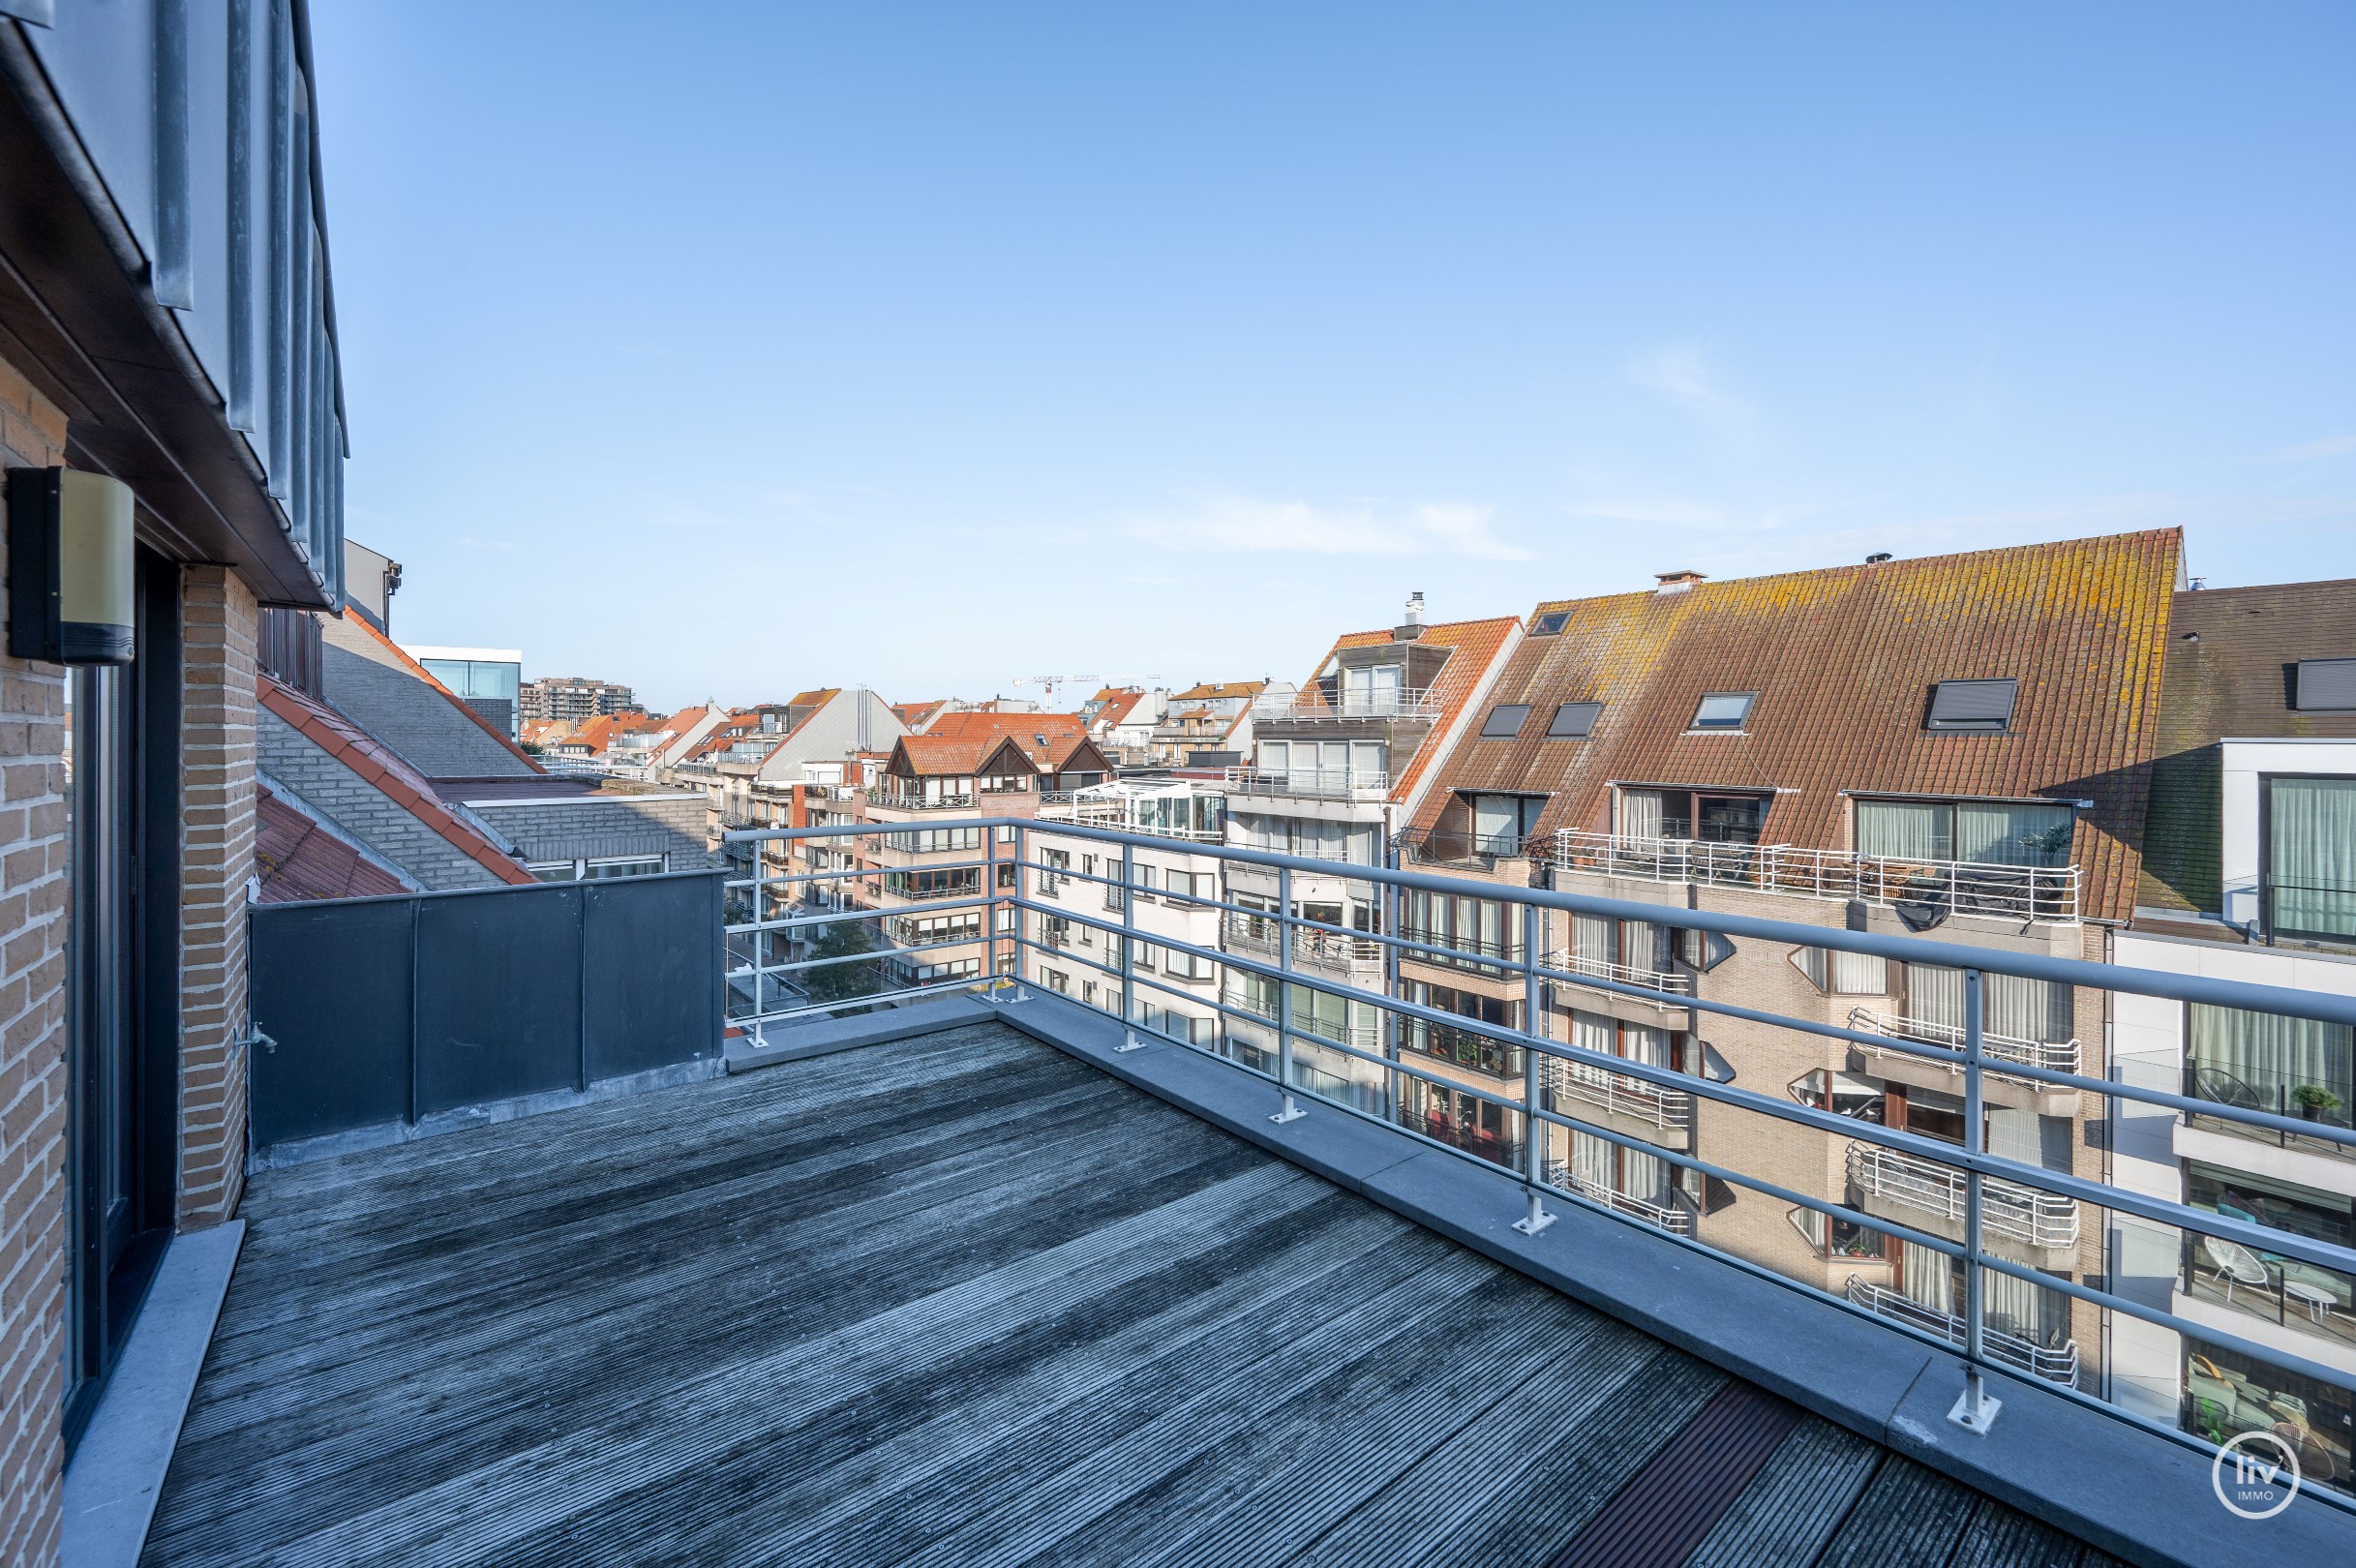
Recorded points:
(1434, 846)
(1676, 981)
(1260, 935)
(2292, 1097)
(2054, 1056)
(1639, 1099)
(2025, 1215)
(1309, 783)
(1446, 1042)
(2025, 893)
(1310, 706)
(2055, 1366)
(1897, 1180)
(1115, 813)
(893, 801)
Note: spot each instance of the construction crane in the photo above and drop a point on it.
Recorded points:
(1048, 684)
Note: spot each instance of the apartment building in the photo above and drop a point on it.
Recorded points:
(1208, 724)
(1341, 765)
(1168, 896)
(1121, 721)
(1956, 745)
(572, 697)
(2249, 874)
(488, 680)
(170, 406)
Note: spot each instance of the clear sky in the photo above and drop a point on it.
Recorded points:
(729, 349)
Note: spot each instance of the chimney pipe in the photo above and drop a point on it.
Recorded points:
(1411, 626)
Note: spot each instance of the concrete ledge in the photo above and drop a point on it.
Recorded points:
(110, 1487)
(795, 1042)
(384, 1135)
(2135, 1494)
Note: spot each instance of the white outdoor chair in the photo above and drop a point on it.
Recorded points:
(2235, 1264)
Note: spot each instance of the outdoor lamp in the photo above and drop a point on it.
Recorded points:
(69, 567)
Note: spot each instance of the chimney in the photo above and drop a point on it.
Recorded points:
(1676, 582)
(1412, 626)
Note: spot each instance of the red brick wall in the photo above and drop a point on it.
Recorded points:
(32, 1048)
(219, 623)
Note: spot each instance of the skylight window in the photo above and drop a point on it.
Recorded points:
(1724, 711)
(1550, 623)
(1505, 722)
(2327, 686)
(1972, 704)
(1572, 721)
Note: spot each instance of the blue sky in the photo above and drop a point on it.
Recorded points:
(733, 349)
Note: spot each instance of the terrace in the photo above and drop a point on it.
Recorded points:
(977, 1273)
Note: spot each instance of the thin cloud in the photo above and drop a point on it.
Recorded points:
(1230, 522)
(1681, 375)
(2314, 451)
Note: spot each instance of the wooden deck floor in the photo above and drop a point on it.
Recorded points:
(961, 1301)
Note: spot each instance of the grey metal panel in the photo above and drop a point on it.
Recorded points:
(331, 990)
(652, 988)
(1973, 703)
(2327, 686)
(499, 995)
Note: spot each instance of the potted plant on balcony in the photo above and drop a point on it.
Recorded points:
(2314, 1101)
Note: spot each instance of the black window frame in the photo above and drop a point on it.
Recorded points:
(1932, 722)
(1553, 726)
(1741, 726)
(1550, 623)
(1521, 711)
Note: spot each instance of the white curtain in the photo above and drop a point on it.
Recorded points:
(2272, 1056)
(1930, 1277)
(1593, 1032)
(1905, 830)
(1591, 1160)
(1860, 974)
(1591, 942)
(1639, 813)
(2009, 1003)
(1647, 1177)
(1648, 1045)
(2312, 865)
(1497, 823)
(2016, 1307)
(1993, 833)
(1934, 995)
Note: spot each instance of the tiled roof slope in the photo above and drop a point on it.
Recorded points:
(297, 858)
(398, 700)
(391, 774)
(2230, 653)
(1214, 690)
(949, 756)
(1476, 644)
(1843, 660)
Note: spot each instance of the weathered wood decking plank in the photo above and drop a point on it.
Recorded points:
(956, 1300)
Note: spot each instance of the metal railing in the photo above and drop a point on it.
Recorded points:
(892, 801)
(2054, 1056)
(2026, 893)
(1311, 783)
(1456, 846)
(2025, 1215)
(1263, 935)
(2290, 1097)
(1639, 1099)
(1675, 981)
(1311, 707)
(1978, 1205)
(2054, 1366)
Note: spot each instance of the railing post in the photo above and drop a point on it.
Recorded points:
(1022, 864)
(990, 911)
(1390, 984)
(1128, 951)
(1283, 995)
(1976, 1410)
(1533, 1025)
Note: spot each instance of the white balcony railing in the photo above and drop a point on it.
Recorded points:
(2055, 1366)
(2029, 892)
(1622, 1096)
(2054, 1056)
(1672, 1216)
(1676, 981)
(1309, 783)
(2025, 1214)
(891, 801)
(1310, 706)
(1262, 935)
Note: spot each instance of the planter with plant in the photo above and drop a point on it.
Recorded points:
(2314, 1101)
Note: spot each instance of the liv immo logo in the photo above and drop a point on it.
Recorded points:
(2256, 1475)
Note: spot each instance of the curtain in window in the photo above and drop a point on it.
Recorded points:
(2273, 1057)
(1593, 1032)
(1591, 942)
(2311, 855)
(1930, 1277)
(1934, 995)
(1906, 830)
(2011, 1005)
(1496, 824)
(1646, 1177)
(2000, 834)
(1591, 1160)
(2031, 1312)
(1639, 813)
(1648, 1045)
(1859, 974)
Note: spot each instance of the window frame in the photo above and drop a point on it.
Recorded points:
(1553, 726)
(1550, 623)
(1932, 724)
(1521, 711)
(1742, 721)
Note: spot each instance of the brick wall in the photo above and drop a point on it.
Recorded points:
(358, 809)
(32, 1048)
(220, 622)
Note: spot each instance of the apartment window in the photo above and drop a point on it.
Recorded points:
(1184, 965)
(1842, 974)
(1981, 832)
(1475, 927)
(1572, 721)
(2012, 1006)
(1724, 711)
(2310, 826)
(1692, 814)
(1635, 950)
(1505, 722)
(1839, 1093)
(1835, 1237)
(2326, 686)
(1984, 706)
(1550, 623)
(2292, 1067)
(1057, 981)
(1502, 822)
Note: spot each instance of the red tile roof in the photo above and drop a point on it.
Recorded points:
(1475, 644)
(1214, 690)
(297, 858)
(378, 764)
(1843, 660)
(1115, 708)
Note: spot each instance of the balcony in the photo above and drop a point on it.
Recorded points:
(2055, 1365)
(1674, 1216)
(2040, 1226)
(1308, 783)
(893, 801)
(1636, 1100)
(1461, 849)
(1260, 936)
(2231, 1284)
(1945, 1073)
(1310, 707)
(2327, 1106)
(2018, 892)
(1674, 981)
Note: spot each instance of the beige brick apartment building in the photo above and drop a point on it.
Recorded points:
(167, 320)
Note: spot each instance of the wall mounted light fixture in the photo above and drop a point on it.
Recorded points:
(70, 567)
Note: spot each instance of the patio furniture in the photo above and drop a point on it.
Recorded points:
(2234, 1264)
(2318, 1302)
